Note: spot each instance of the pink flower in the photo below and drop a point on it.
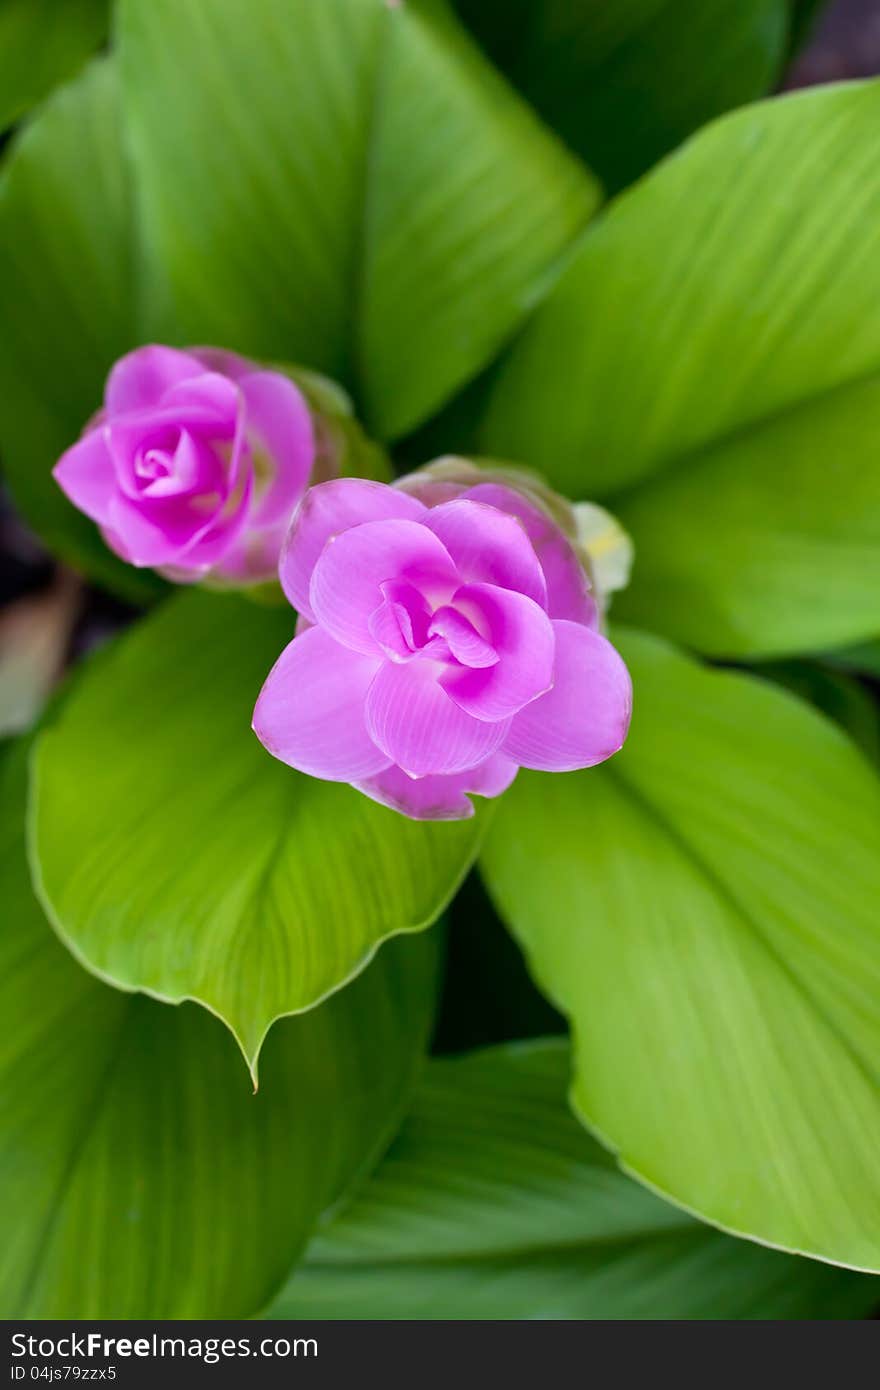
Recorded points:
(439, 648)
(195, 463)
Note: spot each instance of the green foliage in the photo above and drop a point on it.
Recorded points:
(396, 192)
(196, 866)
(67, 306)
(43, 42)
(624, 83)
(493, 1203)
(726, 397)
(703, 909)
(139, 1177)
(351, 186)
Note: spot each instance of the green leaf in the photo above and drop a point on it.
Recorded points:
(493, 1203)
(66, 304)
(488, 995)
(704, 910)
(864, 658)
(715, 341)
(624, 83)
(379, 190)
(198, 867)
(805, 15)
(843, 698)
(139, 1177)
(42, 43)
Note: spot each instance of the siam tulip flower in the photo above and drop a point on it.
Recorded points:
(447, 637)
(195, 463)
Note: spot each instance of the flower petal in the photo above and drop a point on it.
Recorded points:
(413, 720)
(85, 473)
(465, 643)
(278, 426)
(488, 546)
(438, 797)
(327, 510)
(521, 634)
(584, 719)
(347, 581)
(568, 588)
(310, 713)
(142, 377)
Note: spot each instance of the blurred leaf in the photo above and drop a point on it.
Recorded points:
(140, 1177)
(66, 305)
(198, 867)
(865, 658)
(714, 339)
(624, 83)
(843, 698)
(704, 910)
(378, 190)
(805, 14)
(493, 1203)
(487, 996)
(42, 43)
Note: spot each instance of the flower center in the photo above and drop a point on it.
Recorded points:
(406, 627)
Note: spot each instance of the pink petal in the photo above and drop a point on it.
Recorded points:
(584, 719)
(568, 589)
(413, 720)
(464, 641)
(521, 634)
(142, 377)
(439, 797)
(492, 777)
(310, 713)
(488, 546)
(279, 426)
(86, 475)
(327, 510)
(216, 399)
(347, 581)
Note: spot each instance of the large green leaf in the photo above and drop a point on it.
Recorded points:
(175, 856)
(715, 339)
(493, 1203)
(42, 42)
(139, 1176)
(704, 909)
(841, 696)
(864, 658)
(624, 83)
(66, 305)
(347, 184)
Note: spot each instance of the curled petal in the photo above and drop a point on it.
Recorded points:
(85, 474)
(346, 586)
(521, 635)
(310, 713)
(163, 532)
(413, 720)
(465, 643)
(282, 440)
(327, 510)
(439, 797)
(488, 546)
(141, 378)
(584, 719)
